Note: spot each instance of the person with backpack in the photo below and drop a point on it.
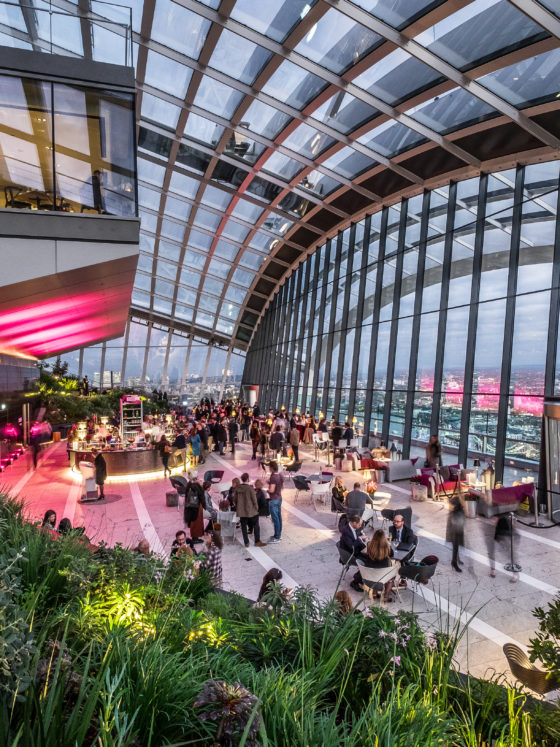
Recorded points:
(255, 435)
(193, 510)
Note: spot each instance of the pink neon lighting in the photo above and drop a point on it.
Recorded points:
(525, 403)
(487, 398)
(48, 327)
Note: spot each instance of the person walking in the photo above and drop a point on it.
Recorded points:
(247, 510)
(433, 452)
(294, 441)
(275, 485)
(255, 436)
(456, 532)
(164, 451)
(100, 472)
(192, 512)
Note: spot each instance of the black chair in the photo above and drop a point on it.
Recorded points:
(291, 469)
(389, 514)
(420, 574)
(337, 508)
(301, 484)
(214, 476)
(179, 483)
(345, 558)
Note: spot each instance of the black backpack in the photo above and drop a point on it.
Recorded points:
(192, 499)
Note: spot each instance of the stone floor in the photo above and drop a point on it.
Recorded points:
(495, 609)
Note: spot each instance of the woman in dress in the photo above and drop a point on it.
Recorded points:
(338, 492)
(194, 440)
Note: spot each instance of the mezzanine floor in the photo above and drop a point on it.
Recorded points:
(499, 610)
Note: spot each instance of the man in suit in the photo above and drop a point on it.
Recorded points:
(351, 541)
(356, 500)
(400, 532)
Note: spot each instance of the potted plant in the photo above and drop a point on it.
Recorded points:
(419, 492)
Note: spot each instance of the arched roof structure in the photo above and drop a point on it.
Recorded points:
(265, 127)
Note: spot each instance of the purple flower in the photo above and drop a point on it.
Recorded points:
(394, 636)
(347, 652)
(368, 613)
(397, 660)
(382, 634)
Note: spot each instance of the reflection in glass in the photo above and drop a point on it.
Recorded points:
(336, 42)
(292, 80)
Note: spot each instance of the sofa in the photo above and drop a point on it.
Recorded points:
(449, 476)
(400, 469)
(503, 500)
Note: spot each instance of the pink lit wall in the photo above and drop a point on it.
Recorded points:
(48, 327)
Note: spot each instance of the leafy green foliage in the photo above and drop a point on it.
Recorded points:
(546, 643)
(108, 648)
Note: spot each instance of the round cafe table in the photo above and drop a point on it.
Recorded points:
(319, 478)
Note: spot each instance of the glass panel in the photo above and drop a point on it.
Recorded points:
(167, 75)
(479, 32)
(270, 17)
(451, 110)
(203, 130)
(293, 85)
(159, 111)
(344, 113)
(239, 58)
(527, 82)
(26, 143)
(397, 77)
(308, 142)
(398, 14)
(247, 211)
(349, 162)
(336, 42)
(265, 120)
(319, 183)
(169, 26)
(282, 166)
(391, 138)
(217, 98)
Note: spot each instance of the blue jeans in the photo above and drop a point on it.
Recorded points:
(275, 506)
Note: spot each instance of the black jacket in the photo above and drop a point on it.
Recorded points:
(277, 440)
(100, 469)
(348, 542)
(220, 434)
(180, 442)
(407, 535)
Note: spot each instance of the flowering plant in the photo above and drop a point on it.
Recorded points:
(416, 480)
(224, 505)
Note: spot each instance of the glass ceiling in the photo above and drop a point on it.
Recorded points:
(265, 123)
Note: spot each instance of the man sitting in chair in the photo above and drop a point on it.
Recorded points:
(356, 500)
(351, 541)
(400, 532)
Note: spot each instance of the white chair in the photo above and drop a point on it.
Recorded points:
(343, 443)
(319, 493)
(367, 516)
(372, 577)
(354, 443)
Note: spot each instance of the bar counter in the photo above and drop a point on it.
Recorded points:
(122, 462)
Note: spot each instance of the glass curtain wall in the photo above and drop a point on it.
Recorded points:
(149, 357)
(438, 314)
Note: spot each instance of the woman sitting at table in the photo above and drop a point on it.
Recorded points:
(379, 552)
(338, 492)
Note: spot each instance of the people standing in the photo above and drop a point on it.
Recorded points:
(192, 513)
(233, 429)
(100, 472)
(456, 531)
(194, 441)
(255, 436)
(164, 451)
(275, 485)
(277, 441)
(247, 510)
(180, 445)
(220, 436)
(213, 560)
(294, 441)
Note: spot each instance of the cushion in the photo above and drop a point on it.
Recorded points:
(427, 471)
(379, 465)
(414, 460)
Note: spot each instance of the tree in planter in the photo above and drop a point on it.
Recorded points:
(546, 644)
